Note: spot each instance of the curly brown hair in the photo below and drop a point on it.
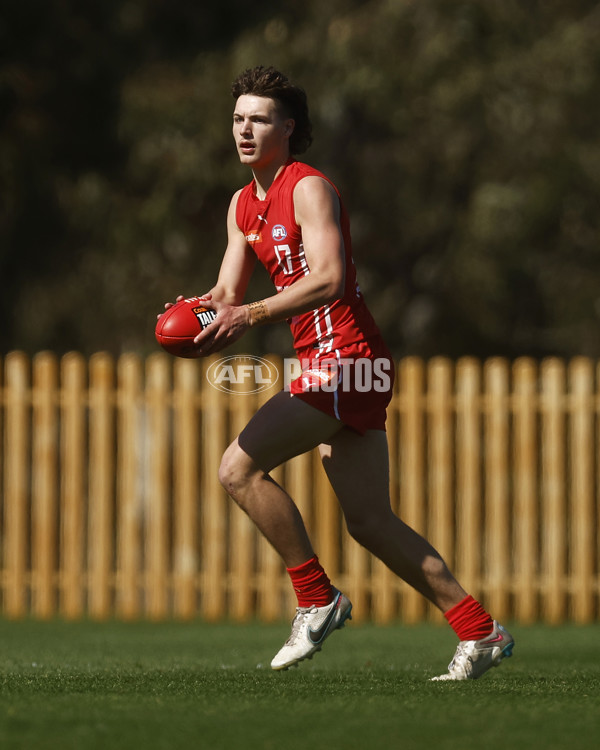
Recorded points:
(272, 84)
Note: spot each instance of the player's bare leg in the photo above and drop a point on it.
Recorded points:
(283, 428)
(357, 467)
(358, 470)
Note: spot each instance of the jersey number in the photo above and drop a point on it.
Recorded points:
(284, 258)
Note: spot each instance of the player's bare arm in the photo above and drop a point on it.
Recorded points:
(317, 209)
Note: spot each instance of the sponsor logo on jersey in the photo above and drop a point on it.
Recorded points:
(254, 236)
(279, 232)
(324, 378)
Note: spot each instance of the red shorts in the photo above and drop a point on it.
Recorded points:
(353, 384)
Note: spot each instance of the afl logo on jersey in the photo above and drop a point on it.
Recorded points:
(279, 232)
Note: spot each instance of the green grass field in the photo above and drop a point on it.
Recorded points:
(147, 686)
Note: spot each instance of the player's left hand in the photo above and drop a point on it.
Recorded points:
(231, 323)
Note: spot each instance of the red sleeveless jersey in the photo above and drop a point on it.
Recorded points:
(271, 230)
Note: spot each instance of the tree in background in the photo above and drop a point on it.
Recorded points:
(463, 136)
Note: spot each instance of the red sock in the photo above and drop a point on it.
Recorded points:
(311, 584)
(469, 620)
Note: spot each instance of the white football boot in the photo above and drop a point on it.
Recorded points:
(474, 658)
(310, 627)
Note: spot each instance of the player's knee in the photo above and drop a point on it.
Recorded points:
(371, 526)
(230, 473)
(236, 473)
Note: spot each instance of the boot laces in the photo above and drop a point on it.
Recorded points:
(297, 623)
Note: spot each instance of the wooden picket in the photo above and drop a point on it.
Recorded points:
(44, 485)
(468, 475)
(525, 451)
(16, 488)
(111, 504)
(73, 463)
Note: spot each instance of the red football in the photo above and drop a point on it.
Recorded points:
(179, 325)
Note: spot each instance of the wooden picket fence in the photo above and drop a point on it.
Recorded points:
(111, 506)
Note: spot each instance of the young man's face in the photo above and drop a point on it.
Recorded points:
(260, 131)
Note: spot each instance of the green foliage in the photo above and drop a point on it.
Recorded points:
(463, 136)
